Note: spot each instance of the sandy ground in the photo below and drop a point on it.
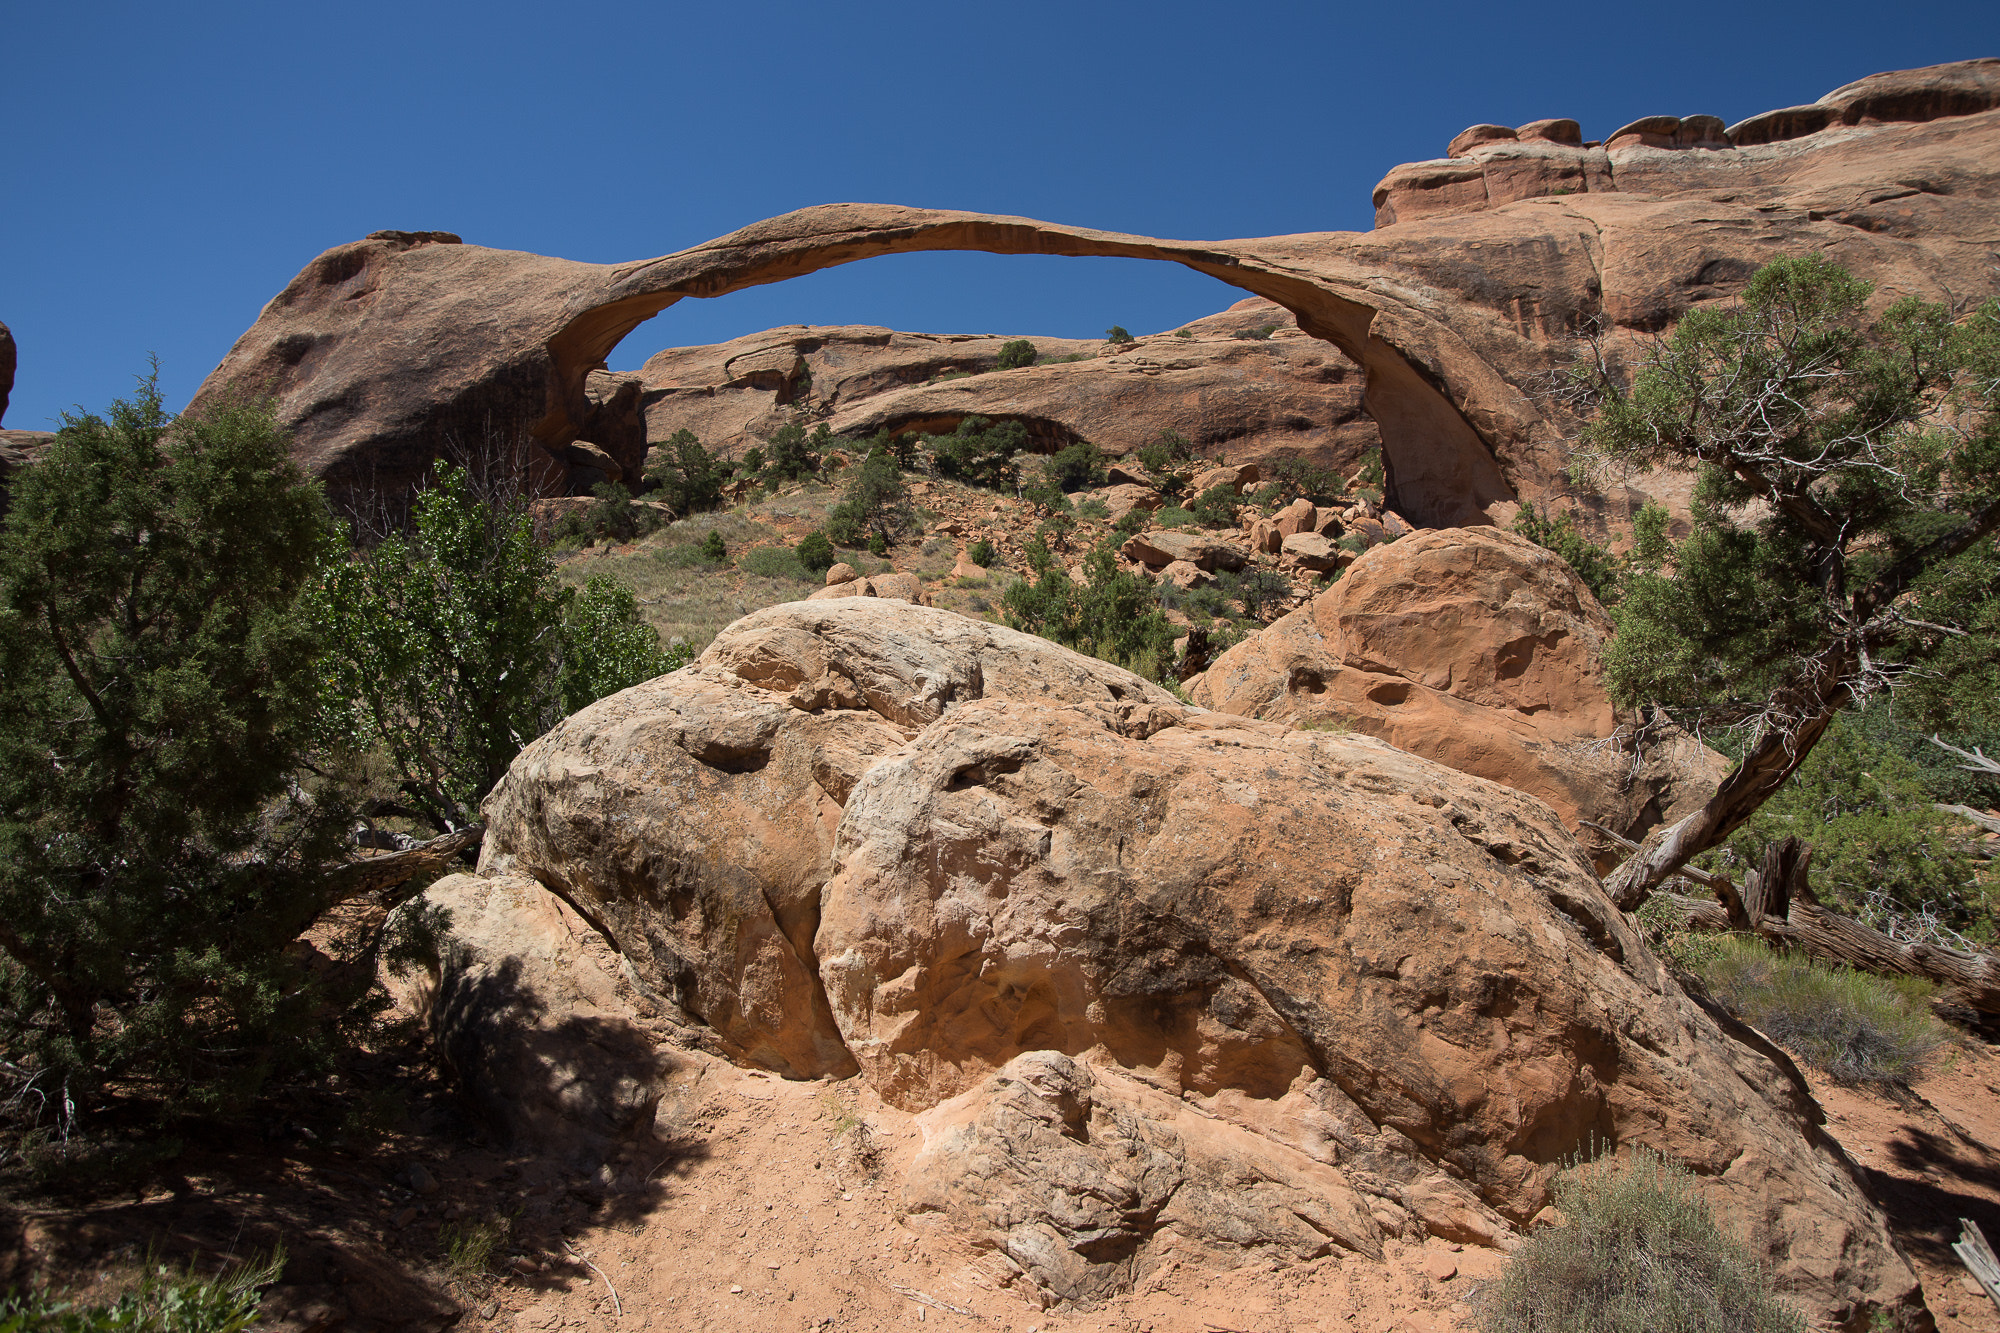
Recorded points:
(775, 1205)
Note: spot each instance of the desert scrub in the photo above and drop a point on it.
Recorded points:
(1640, 1254)
(1856, 1027)
(774, 562)
(164, 1302)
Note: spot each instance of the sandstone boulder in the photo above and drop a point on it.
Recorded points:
(1235, 476)
(1164, 546)
(585, 454)
(1478, 134)
(1184, 574)
(1477, 649)
(1310, 551)
(1299, 516)
(1194, 979)
(1121, 499)
(841, 572)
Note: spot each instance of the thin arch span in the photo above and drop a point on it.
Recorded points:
(1441, 470)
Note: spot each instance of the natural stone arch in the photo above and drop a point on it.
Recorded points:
(1441, 471)
(380, 350)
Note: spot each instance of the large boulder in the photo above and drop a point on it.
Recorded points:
(1155, 975)
(1478, 649)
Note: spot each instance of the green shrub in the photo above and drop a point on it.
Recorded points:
(1183, 333)
(1215, 507)
(873, 505)
(980, 452)
(1262, 591)
(165, 1302)
(1173, 516)
(753, 461)
(1640, 1254)
(713, 548)
(1602, 572)
(1116, 334)
(689, 479)
(616, 517)
(1132, 522)
(159, 694)
(1075, 466)
(1093, 508)
(1856, 1027)
(981, 553)
(877, 544)
(453, 645)
(1373, 473)
(469, 1247)
(945, 376)
(1301, 478)
(1881, 850)
(1111, 616)
(815, 552)
(773, 562)
(792, 454)
(1261, 333)
(1016, 353)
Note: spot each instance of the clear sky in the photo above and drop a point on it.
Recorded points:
(166, 168)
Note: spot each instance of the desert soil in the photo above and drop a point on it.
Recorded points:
(775, 1205)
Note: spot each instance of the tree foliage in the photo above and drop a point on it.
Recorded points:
(980, 452)
(158, 695)
(874, 503)
(1843, 520)
(1601, 571)
(1016, 353)
(453, 645)
(1111, 615)
(688, 478)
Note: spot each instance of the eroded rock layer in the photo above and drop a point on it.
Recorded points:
(1116, 952)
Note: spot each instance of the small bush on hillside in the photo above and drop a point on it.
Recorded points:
(1183, 333)
(815, 552)
(1641, 1254)
(1856, 1027)
(1093, 508)
(1172, 447)
(1262, 333)
(874, 505)
(1111, 616)
(1132, 522)
(1373, 473)
(1117, 334)
(713, 548)
(1215, 507)
(1173, 516)
(1602, 572)
(687, 477)
(1076, 466)
(1303, 479)
(616, 517)
(1262, 592)
(773, 562)
(981, 553)
(980, 452)
(1016, 353)
(792, 455)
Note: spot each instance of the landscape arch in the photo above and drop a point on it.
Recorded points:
(380, 349)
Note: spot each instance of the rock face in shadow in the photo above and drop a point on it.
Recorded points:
(1456, 312)
(1150, 971)
(1223, 387)
(1478, 649)
(8, 356)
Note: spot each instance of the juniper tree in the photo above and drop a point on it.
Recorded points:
(158, 699)
(1843, 526)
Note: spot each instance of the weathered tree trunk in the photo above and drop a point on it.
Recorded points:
(1763, 770)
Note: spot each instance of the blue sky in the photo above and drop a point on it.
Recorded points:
(166, 169)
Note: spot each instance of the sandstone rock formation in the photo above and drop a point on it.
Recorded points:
(1475, 648)
(1285, 394)
(8, 355)
(382, 349)
(1147, 973)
